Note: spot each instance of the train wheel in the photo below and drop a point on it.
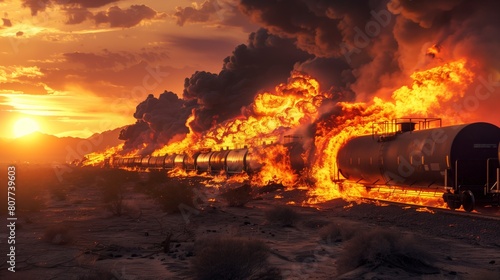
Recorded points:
(468, 200)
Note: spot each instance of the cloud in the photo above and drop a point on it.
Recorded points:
(116, 17)
(220, 45)
(77, 11)
(202, 13)
(218, 12)
(77, 15)
(41, 5)
(108, 60)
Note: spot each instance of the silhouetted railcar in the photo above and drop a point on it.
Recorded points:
(460, 160)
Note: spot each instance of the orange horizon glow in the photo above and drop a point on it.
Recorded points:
(25, 126)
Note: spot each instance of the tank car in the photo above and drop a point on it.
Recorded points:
(462, 161)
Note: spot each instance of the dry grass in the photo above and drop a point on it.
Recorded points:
(230, 258)
(385, 247)
(59, 234)
(337, 232)
(174, 195)
(282, 215)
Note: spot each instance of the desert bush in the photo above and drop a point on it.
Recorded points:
(384, 247)
(173, 195)
(282, 215)
(238, 197)
(59, 234)
(58, 193)
(337, 232)
(113, 183)
(229, 258)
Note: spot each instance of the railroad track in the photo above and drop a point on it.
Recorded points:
(481, 213)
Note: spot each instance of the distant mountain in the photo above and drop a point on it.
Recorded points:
(42, 148)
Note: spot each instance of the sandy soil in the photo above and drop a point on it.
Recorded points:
(77, 238)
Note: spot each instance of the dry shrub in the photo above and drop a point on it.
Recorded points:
(238, 197)
(59, 234)
(58, 193)
(385, 247)
(229, 258)
(113, 183)
(337, 232)
(174, 196)
(282, 215)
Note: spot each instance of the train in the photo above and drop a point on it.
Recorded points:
(229, 161)
(461, 161)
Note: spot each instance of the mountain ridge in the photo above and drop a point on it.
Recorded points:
(39, 147)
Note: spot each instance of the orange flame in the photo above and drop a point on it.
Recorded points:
(429, 92)
(297, 103)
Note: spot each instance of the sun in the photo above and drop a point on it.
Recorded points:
(25, 126)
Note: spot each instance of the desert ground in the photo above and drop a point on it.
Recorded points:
(90, 223)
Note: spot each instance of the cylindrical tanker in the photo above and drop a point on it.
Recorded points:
(453, 157)
(235, 161)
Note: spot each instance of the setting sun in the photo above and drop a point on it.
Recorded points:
(25, 126)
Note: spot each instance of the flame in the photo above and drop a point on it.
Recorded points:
(94, 159)
(276, 166)
(289, 106)
(428, 95)
(297, 103)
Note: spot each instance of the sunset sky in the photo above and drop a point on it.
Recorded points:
(78, 67)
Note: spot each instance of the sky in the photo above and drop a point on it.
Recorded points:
(78, 67)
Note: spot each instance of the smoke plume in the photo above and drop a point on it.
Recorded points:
(356, 49)
(213, 98)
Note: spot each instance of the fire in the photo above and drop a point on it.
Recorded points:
(296, 104)
(276, 167)
(94, 159)
(430, 91)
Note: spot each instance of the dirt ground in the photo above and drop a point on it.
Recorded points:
(75, 236)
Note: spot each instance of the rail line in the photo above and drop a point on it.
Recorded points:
(486, 213)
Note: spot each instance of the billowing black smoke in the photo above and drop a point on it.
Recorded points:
(356, 49)
(262, 63)
(384, 41)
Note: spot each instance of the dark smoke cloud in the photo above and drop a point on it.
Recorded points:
(213, 98)
(260, 64)
(356, 49)
(335, 31)
(158, 121)
(383, 41)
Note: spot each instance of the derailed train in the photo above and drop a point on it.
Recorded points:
(461, 161)
(230, 161)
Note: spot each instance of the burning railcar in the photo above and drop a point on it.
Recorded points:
(462, 161)
(230, 161)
